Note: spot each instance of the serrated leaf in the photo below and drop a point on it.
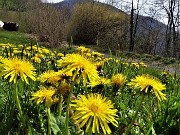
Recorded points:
(61, 123)
(54, 126)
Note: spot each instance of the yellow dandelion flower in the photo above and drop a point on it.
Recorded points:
(99, 65)
(56, 100)
(38, 55)
(46, 51)
(100, 81)
(16, 51)
(88, 55)
(15, 68)
(44, 94)
(68, 73)
(118, 80)
(95, 111)
(60, 54)
(135, 64)
(1, 58)
(125, 63)
(32, 47)
(148, 83)
(7, 45)
(80, 66)
(83, 49)
(49, 76)
(167, 73)
(28, 47)
(36, 59)
(117, 61)
(107, 59)
(102, 62)
(40, 51)
(142, 64)
(97, 54)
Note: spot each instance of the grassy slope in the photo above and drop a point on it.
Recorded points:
(156, 62)
(13, 37)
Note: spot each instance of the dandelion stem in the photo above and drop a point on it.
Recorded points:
(67, 108)
(49, 118)
(19, 106)
(59, 108)
(135, 115)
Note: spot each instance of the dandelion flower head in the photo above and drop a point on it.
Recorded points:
(15, 68)
(142, 64)
(16, 50)
(97, 55)
(118, 80)
(36, 59)
(148, 83)
(82, 50)
(49, 76)
(101, 81)
(60, 55)
(34, 47)
(46, 51)
(95, 111)
(44, 94)
(80, 66)
(135, 64)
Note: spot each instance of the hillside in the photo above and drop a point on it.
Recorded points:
(147, 28)
(155, 62)
(150, 35)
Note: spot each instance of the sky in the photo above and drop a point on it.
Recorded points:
(55, 1)
(125, 4)
(51, 1)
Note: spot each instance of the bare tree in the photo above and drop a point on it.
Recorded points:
(47, 22)
(171, 8)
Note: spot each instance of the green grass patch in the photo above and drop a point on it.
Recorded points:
(14, 37)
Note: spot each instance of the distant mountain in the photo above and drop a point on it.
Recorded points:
(70, 4)
(147, 22)
(153, 32)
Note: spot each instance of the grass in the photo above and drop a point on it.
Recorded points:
(14, 37)
(146, 115)
(156, 62)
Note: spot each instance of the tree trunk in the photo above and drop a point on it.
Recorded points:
(131, 46)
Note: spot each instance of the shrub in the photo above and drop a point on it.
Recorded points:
(94, 23)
